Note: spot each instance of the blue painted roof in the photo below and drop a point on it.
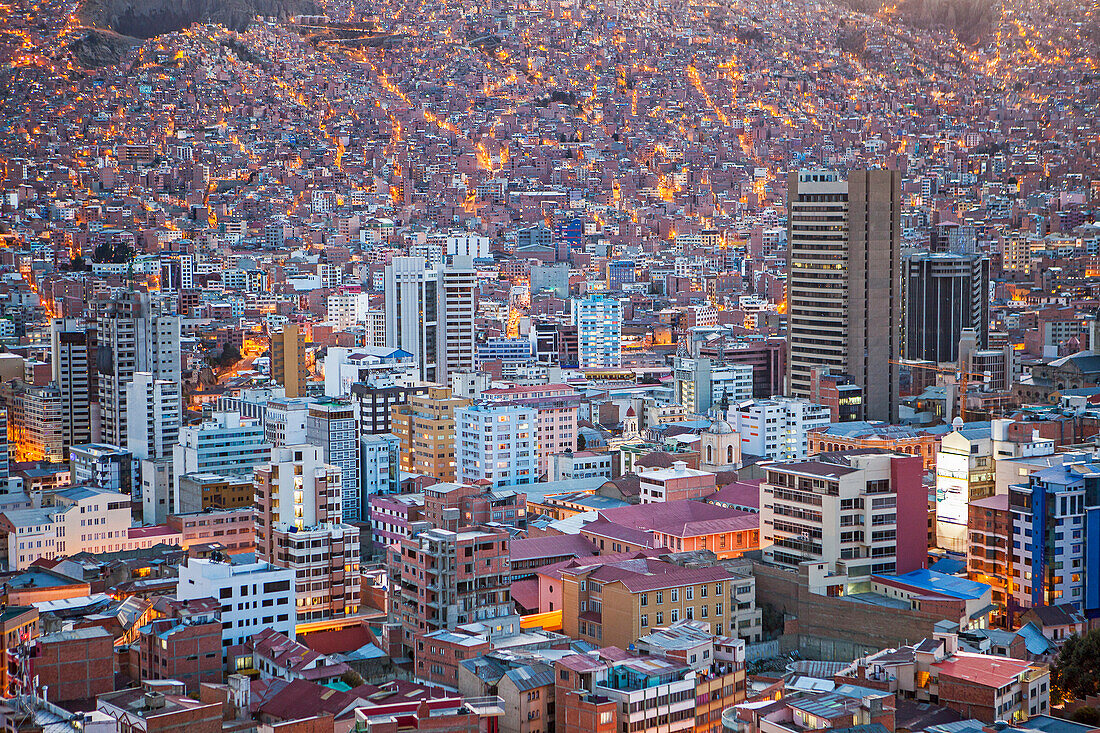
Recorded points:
(1034, 640)
(945, 585)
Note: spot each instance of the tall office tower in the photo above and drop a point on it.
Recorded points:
(70, 360)
(843, 288)
(944, 294)
(426, 427)
(330, 425)
(153, 416)
(288, 359)
(135, 334)
(430, 314)
(599, 322)
(497, 443)
(299, 526)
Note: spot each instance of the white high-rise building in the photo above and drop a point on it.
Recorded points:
(299, 526)
(374, 329)
(69, 360)
(498, 443)
(430, 314)
(777, 428)
(153, 416)
(599, 321)
(701, 384)
(134, 334)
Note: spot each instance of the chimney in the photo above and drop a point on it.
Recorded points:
(154, 701)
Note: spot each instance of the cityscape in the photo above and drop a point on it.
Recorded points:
(550, 366)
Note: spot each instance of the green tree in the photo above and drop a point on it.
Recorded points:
(1076, 672)
(1086, 716)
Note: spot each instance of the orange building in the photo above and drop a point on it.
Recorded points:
(897, 438)
(426, 427)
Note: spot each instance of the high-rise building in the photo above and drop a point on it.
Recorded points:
(1056, 518)
(599, 322)
(426, 427)
(557, 406)
(379, 467)
(843, 299)
(861, 512)
(35, 421)
(944, 294)
(135, 333)
(153, 416)
(103, 466)
(701, 384)
(71, 360)
(430, 313)
(288, 359)
(964, 474)
(299, 526)
(497, 443)
(330, 425)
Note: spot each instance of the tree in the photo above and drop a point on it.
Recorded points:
(1087, 716)
(582, 442)
(1076, 673)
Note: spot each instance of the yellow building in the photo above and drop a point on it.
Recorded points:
(637, 596)
(426, 428)
(288, 359)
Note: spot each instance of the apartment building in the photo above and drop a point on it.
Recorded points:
(453, 506)
(300, 526)
(557, 406)
(674, 483)
(253, 596)
(777, 428)
(861, 512)
(964, 474)
(426, 427)
(331, 425)
(497, 443)
(441, 579)
(613, 604)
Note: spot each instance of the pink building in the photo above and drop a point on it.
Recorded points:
(556, 405)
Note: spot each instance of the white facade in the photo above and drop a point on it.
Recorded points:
(152, 416)
(254, 597)
(583, 464)
(378, 367)
(779, 427)
(496, 443)
(430, 314)
(468, 244)
(285, 421)
(346, 309)
(599, 322)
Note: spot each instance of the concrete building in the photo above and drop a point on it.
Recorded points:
(964, 474)
(199, 491)
(599, 322)
(658, 485)
(777, 428)
(615, 603)
(226, 445)
(496, 443)
(441, 579)
(253, 596)
(331, 426)
(285, 421)
(944, 294)
(426, 427)
(71, 360)
(104, 466)
(700, 384)
(845, 316)
(300, 526)
(134, 333)
(379, 467)
(861, 512)
(582, 464)
(430, 314)
(1056, 520)
(557, 406)
(288, 360)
